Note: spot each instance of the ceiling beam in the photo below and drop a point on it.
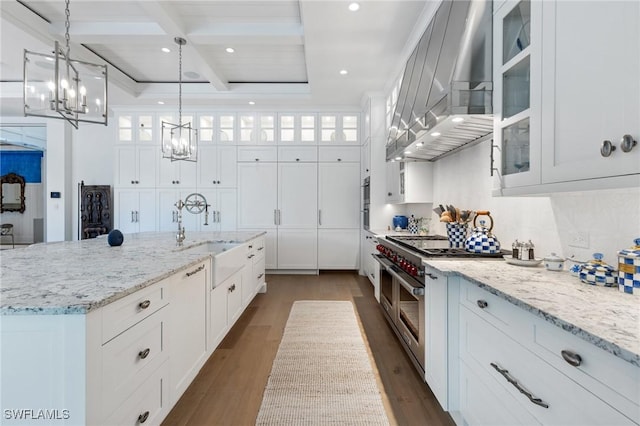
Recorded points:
(168, 19)
(40, 30)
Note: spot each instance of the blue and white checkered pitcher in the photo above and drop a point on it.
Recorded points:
(481, 239)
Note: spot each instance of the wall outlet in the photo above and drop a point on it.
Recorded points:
(579, 239)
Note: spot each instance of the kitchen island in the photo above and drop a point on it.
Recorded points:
(94, 334)
(525, 345)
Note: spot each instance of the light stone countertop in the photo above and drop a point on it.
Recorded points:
(600, 315)
(75, 277)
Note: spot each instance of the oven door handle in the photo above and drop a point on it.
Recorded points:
(416, 291)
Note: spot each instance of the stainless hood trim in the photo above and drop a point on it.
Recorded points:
(463, 112)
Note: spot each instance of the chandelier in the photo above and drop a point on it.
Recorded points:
(179, 141)
(57, 86)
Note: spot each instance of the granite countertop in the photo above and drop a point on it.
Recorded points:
(75, 277)
(600, 315)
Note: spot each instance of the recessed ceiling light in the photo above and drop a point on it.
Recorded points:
(344, 72)
(457, 120)
(191, 74)
(398, 158)
(419, 144)
(160, 102)
(230, 50)
(435, 134)
(354, 6)
(48, 58)
(407, 152)
(166, 50)
(252, 103)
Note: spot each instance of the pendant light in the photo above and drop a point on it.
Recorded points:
(179, 141)
(57, 86)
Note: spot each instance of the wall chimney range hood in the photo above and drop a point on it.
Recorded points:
(445, 98)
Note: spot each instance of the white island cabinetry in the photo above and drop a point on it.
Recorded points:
(126, 354)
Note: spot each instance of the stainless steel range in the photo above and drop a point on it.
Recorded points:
(402, 285)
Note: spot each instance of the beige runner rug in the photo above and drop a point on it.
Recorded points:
(322, 373)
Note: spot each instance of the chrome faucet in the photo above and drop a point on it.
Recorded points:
(180, 237)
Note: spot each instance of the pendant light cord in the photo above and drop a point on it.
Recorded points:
(179, 84)
(67, 25)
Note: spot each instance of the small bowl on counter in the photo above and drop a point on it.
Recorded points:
(553, 262)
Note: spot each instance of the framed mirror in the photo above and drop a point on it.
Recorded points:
(12, 193)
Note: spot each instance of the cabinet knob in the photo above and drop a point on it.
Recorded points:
(389, 194)
(606, 148)
(145, 304)
(143, 417)
(482, 304)
(297, 159)
(571, 357)
(339, 159)
(257, 159)
(144, 354)
(133, 182)
(627, 143)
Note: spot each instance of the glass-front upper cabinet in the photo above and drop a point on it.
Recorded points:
(339, 128)
(298, 128)
(257, 128)
(135, 128)
(517, 96)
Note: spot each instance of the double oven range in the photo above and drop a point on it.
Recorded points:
(402, 285)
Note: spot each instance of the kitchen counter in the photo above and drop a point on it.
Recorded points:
(75, 277)
(600, 315)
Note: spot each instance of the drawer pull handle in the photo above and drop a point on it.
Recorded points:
(571, 357)
(260, 248)
(482, 304)
(198, 269)
(143, 417)
(514, 382)
(144, 354)
(260, 276)
(433, 277)
(250, 256)
(145, 304)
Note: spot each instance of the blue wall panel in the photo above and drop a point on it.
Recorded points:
(27, 164)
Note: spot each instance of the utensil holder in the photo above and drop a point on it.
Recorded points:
(457, 235)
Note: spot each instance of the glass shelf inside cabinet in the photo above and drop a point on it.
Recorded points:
(515, 148)
(516, 31)
(515, 88)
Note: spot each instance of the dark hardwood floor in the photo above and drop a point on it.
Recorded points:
(228, 389)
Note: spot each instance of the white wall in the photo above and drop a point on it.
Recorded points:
(610, 218)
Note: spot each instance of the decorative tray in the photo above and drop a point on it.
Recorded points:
(521, 262)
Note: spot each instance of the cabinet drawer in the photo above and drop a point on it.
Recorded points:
(257, 153)
(258, 270)
(339, 153)
(486, 350)
(128, 359)
(122, 314)
(148, 405)
(603, 373)
(502, 314)
(298, 153)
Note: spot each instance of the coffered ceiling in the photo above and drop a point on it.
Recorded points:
(287, 53)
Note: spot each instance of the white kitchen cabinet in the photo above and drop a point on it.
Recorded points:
(257, 129)
(369, 264)
(136, 166)
(188, 292)
(437, 335)
(135, 210)
(339, 248)
(409, 182)
(226, 307)
(168, 212)
(297, 249)
(504, 348)
(591, 101)
(132, 128)
(296, 154)
(550, 121)
(339, 128)
(223, 210)
(253, 274)
(177, 174)
(297, 128)
(339, 195)
(257, 195)
(217, 166)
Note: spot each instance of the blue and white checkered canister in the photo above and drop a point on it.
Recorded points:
(596, 272)
(629, 269)
(457, 234)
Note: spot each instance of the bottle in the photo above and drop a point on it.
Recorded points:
(514, 249)
(530, 254)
